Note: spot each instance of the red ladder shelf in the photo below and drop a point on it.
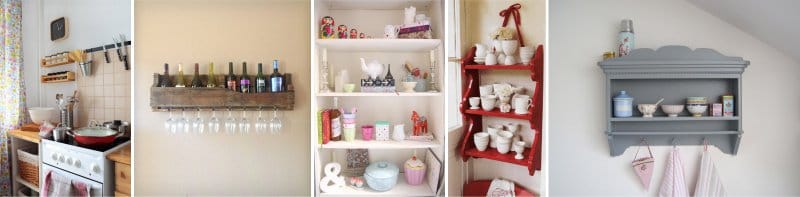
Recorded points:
(470, 71)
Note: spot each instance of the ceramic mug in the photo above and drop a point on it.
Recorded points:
(492, 130)
(399, 133)
(486, 90)
(518, 97)
(504, 141)
(481, 140)
(350, 87)
(366, 132)
(349, 134)
(391, 31)
(474, 102)
(512, 127)
(488, 103)
(521, 105)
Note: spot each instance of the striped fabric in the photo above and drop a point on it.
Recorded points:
(674, 184)
(708, 181)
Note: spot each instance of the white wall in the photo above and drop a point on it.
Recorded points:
(221, 31)
(479, 18)
(580, 163)
(90, 23)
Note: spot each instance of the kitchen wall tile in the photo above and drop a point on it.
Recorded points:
(99, 102)
(108, 78)
(119, 90)
(108, 90)
(98, 90)
(109, 68)
(109, 102)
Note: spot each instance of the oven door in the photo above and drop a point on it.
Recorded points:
(62, 181)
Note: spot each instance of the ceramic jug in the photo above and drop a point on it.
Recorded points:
(491, 59)
(399, 133)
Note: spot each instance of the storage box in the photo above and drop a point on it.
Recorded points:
(382, 130)
(716, 109)
(417, 31)
(727, 105)
(28, 165)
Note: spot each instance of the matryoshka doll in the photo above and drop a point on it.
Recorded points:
(353, 33)
(326, 28)
(362, 36)
(342, 32)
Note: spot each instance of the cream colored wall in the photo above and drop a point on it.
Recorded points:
(479, 18)
(766, 164)
(221, 31)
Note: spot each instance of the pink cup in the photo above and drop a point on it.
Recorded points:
(366, 132)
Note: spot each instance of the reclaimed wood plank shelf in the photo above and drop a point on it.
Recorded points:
(674, 73)
(66, 77)
(474, 117)
(185, 98)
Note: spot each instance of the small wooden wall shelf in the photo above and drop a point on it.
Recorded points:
(186, 98)
(473, 119)
(674, 73)
(66, 77)
(69, 61)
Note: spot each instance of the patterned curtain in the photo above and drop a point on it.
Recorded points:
(12, 92)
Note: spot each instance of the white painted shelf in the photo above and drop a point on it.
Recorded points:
(374, 144)
(401, 189)
(379, 45)
(379, 94)
(377, 5)
(26, 183)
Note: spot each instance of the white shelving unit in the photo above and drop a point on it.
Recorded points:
(370, 17)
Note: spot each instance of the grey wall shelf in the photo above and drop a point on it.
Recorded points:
(674, 73)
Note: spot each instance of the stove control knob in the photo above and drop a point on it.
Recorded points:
(77, 163)
(69, 160)
(96, 168)
(54, 156)
(61, 158)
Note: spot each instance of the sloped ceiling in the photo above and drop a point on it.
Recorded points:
(776, 22)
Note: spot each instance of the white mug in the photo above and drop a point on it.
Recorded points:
(521, 105)
(486, 90)
(474, 102)
(481, 140)
(488, 103)
(521, 98)
(391, 31)
(490, 59)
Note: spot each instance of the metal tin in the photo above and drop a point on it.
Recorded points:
(727, 106)
(716, 109)
(623, 105)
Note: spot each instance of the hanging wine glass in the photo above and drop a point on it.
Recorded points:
(213, 122)
(261, 123)
(169, 124)
(275, 124)
(244, 124)
(186, 122)
(198, 124)
(230, 124)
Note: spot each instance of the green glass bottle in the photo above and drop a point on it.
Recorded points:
(179, 81)
(196, 81)
(261, 80)
(212, 79)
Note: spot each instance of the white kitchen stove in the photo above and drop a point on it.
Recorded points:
(87, 165)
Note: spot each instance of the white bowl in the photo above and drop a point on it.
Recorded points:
(409, 86)
(697, 110)
(481, 140)
(672, 110)
(647, 109)
(41, 114)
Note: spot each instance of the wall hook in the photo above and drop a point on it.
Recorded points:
(674, 142)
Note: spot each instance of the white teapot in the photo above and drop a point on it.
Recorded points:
(373, 69)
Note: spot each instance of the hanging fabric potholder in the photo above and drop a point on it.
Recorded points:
(644, 166)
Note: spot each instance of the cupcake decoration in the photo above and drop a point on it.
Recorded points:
(414, 170)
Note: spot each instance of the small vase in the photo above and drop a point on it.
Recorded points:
(510, 47)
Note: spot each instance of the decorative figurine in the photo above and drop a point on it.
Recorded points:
(353, 33)
(341, 32)
(420, 124)
(326, 28)
(362, 35)
(332, 180)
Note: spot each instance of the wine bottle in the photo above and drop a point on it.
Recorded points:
(196, 82)
(336, 121)
(287, 82)
(179, 81)
(261, 80)
(389, 78)
(212, 79)
(276, 79)
(244, 81)
(165, 79)
(231, 82)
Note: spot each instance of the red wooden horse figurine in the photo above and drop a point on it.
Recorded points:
(420, 124)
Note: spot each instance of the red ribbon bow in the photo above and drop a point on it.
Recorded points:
(513, 10)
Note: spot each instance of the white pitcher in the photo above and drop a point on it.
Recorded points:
(399, 133)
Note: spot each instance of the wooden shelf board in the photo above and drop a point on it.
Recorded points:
(491, 153)
(377, 5)
(479, 188)
(381, 45)
(59, 64)
(401, 189)
(373, 144)
(379, 94)
(497, 113)
(31, 136)
(680, 118)
(497, 67)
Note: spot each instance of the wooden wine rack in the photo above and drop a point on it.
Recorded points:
(218, 98)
